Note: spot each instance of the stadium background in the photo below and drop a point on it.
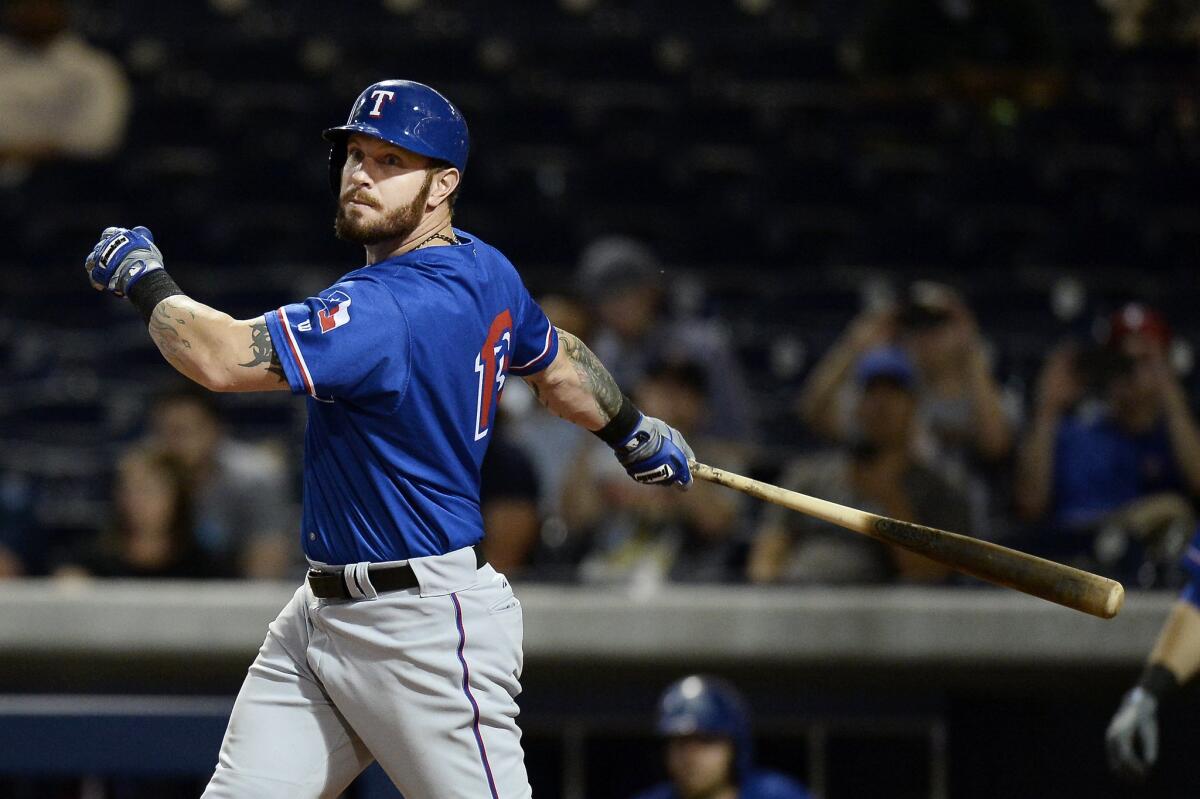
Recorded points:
(789, 161)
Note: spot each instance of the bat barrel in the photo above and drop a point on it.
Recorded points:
(1056, 582)
(1047, 579)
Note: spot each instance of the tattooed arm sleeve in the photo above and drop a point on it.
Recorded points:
(214, 349)
(576, 386)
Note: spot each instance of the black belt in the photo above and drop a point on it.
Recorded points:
(332, 584)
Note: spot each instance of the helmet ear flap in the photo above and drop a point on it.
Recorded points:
(337, 160)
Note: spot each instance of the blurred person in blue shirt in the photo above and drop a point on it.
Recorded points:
(1131, 457)
(21, 550)
(709, 746)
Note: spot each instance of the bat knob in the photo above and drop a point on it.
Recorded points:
(1114, 601)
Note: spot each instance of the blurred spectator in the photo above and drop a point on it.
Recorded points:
(637, 533)
(976, 48)
(1131, 458)
(240, 490)
(964, 424)
(548, 443)
(623, 280)
(58, 95)
(1154, 22)
(21, 552)
(879, 472)
(508, 499)
(152, 533)
(710, 746)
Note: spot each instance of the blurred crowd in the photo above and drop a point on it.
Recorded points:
(1097, 465)
(1097, 462)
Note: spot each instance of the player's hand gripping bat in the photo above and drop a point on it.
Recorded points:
(1072, 588)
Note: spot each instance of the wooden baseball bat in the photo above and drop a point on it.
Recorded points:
(1064, 585)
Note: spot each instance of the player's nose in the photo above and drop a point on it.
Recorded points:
(359, 175)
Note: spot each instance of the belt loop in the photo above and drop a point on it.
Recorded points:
(358, 581)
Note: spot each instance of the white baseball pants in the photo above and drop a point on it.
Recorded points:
(423, 680)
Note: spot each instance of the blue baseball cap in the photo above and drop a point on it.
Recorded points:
(892, 363)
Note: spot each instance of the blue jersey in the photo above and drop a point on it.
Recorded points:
(1098, 467)
(758, 784)
(403, 363)
(1191, 565)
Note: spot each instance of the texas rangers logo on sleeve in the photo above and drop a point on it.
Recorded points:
(336, 311)
(492, 366)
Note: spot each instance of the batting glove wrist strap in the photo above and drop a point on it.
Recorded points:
(148, 293)
(621, 426)
(1158, 681)
(654, 452)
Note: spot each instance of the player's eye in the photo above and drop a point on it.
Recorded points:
(354, 154)
(391, 160)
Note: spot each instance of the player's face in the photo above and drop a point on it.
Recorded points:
(385, 191)
(700, 765)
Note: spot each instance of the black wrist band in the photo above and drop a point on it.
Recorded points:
(1158, 681)
(621, 425)
(151, 290)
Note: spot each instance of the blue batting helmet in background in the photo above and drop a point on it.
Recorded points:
(407, 114)
(703, 705)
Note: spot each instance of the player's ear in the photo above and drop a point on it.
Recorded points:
(445, 181)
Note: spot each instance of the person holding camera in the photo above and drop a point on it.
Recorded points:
(1135, 454)
(964, 423)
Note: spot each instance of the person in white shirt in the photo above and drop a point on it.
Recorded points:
(59, 96)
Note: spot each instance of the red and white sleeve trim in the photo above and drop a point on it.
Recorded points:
(540, 355)
(294, 346)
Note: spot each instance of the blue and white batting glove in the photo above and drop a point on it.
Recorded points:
(655, 453)
(121, 258)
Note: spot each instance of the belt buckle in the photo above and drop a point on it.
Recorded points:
(319, 581)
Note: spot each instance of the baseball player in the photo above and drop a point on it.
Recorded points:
(1132, 736)
(403, 645)
(710, 754)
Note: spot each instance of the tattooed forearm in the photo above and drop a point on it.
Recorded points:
(592, 374)
(214, 349)
(576, 386)
(262, 350)
(167, 325)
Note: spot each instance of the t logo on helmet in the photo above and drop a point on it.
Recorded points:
(379, 95)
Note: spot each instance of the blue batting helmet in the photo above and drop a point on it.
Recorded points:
(703, 705)
(407, 114)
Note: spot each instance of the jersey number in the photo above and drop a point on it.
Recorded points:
(492, 365)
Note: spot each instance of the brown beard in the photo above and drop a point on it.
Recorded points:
(396, 226)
